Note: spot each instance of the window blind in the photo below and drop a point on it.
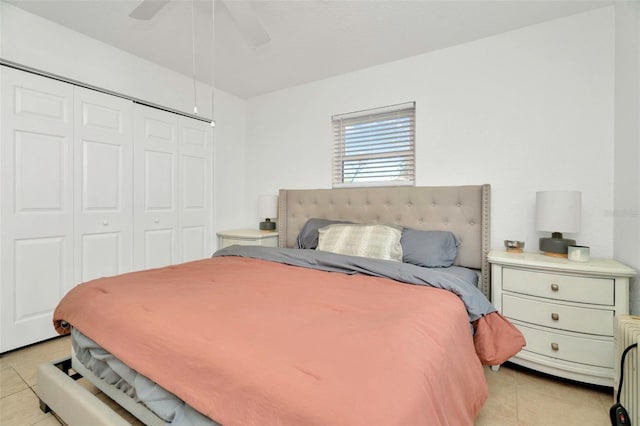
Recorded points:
(375, 146)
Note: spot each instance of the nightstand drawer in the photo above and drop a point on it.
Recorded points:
(568, 348)
(269, 242)
(236, 241)
(247, 237)
(560, 287)
(558, 316)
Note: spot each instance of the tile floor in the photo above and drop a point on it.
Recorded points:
(516, 397)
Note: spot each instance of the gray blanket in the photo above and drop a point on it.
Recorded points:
(460, 281)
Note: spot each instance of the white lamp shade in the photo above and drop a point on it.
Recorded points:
(267, 206)
(558, 211)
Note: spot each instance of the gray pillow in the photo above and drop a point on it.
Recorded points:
(428, 248)
(308, 235)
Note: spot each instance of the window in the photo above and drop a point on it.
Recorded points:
(375, 146)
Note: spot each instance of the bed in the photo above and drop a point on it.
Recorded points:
(259, 335)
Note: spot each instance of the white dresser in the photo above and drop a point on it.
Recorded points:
(566, 311)
(247, 237)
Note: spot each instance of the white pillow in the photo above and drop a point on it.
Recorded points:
(374, 241)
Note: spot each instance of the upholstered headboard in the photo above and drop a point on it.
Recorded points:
(463, 210)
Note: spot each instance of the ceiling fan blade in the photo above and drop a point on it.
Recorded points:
(147, 9)
(247, 22)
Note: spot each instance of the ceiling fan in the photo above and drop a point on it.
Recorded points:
(241, 12)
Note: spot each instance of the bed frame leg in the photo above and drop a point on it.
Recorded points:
(44, 407)
(65, 366)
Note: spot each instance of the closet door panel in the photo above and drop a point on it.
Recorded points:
(194, 243)
(155, 188)
(37, 287)
(103, 189)
(42, 156)
(194, 183)
(36, 248)
(102, 255)
(195, 189)
(159, 247)
(101, 160)
(159, 181)
(36, 101)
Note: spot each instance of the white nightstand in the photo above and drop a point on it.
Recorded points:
(566, 311)
(247, 237)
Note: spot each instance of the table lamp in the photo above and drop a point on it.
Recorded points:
(267, 209)
(558, 212)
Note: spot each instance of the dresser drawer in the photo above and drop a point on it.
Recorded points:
(558, 316)
(560, 287)
(568, 348)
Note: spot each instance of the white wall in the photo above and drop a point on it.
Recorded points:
(38, 43)
(626, 212)
(527, 110)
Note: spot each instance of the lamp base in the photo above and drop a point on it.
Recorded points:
(267, 225)
(556, 246)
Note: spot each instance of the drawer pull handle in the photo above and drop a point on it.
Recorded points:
(555, 346)
(555, 316)
(555, 287)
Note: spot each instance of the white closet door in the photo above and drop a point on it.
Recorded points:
(155, 156)
(195, 189)
(36, 157)
(103, 185)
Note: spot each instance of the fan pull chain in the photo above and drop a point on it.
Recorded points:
(213, 38)
(193, 55)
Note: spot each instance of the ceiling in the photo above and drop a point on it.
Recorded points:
(309, 39)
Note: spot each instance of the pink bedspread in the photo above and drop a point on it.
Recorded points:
(246, 341)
